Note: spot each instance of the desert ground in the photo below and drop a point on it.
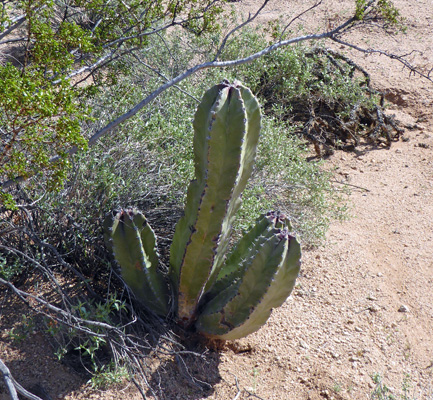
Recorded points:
(362, 306)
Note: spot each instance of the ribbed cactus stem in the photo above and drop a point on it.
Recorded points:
(227, 125)
(133, 242)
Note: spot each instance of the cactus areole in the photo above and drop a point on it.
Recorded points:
(221, 294)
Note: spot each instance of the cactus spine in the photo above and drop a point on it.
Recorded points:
(221, 296)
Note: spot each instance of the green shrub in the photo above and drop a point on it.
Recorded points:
(148, 160)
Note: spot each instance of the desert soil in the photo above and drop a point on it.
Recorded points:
(363, 301)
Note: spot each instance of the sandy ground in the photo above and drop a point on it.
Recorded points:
(363, 302)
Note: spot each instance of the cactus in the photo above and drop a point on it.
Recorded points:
(222, 296)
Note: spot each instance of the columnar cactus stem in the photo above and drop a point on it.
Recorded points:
(134, 246)
(227, 125)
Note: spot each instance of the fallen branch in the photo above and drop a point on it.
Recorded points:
(13, 386)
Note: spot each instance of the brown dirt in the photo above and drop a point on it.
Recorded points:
(343, 322)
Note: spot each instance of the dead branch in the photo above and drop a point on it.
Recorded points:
(237, 28)
(13, 386)
(8, 381)
(400, 58)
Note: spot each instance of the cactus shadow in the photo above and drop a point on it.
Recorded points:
(188, 375)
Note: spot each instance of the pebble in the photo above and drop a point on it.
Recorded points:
(374, 308)
(403, 308)
(303, 344)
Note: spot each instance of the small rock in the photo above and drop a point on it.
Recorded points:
(358, 329)
(374, 308)
(303, 344)
(371, 297)
(403, 308)
(379, 274)
(353, 359)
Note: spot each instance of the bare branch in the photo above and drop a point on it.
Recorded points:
(16, 23)
(13, 386)
(160, 74)
(103, 64)
(159, 29)
(20, 39)
(46, 271)
(237, 387)
(69, 317)
(254, 395)
(193, 70)
(8, 380)
(240, 26)
(399, 58)
(315, 5)
(101, 61)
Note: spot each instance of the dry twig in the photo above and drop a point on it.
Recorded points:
(13, 386)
